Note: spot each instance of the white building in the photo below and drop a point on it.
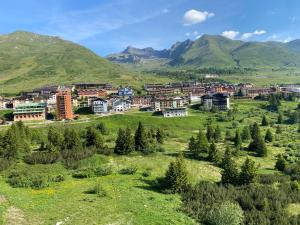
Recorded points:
(100, 106)
(172, 112)
(121, 105)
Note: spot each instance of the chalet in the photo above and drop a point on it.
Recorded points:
(219, 100)
(100, 106)
(178, 112)
(30, 111)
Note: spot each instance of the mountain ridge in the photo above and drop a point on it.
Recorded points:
(218, 51)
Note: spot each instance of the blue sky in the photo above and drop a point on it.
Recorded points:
(108, 26)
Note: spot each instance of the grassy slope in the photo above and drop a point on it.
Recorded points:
(29, 60)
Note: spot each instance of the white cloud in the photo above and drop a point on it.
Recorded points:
(246, 36)
(193, 16)
(231, 34)
(188, 34)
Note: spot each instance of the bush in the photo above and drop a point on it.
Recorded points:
(128, 170)
(103, 171)
(97, 190)
(227, 213)
(83, 173)
(4, 164)
(41, 158)
(23, 179)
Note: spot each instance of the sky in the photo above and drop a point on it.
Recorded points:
(109, 26)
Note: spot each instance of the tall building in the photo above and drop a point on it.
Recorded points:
(64, 104)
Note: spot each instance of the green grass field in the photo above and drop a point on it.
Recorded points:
(131, 199)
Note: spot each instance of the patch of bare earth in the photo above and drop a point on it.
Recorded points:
(15, 216)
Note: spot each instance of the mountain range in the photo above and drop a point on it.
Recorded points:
(216, 51)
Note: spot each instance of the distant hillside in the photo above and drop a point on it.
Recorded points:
(218, 51)
(29, 60)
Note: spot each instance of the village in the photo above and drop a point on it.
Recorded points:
(60, 103)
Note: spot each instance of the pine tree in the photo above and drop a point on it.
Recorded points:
(265, 121)
(209, 133)
(72, 140)
(248, 172)
(217, 134)
(213, 154)
(201, 145)
(246, 134)
(238, 139)
(230, 171)
(176, 178)
(140, 138)
(55, 137)
(91, 136)
(280, 118)
(124, 143)
(160, 136)
(298, 129)
(268, 136)
(258, 144)
(192, 144)
(281, 163)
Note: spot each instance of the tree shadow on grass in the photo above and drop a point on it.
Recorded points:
(155, 185)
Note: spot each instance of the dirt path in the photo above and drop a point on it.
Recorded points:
(2, 199)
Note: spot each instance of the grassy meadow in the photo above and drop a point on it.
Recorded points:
(131, 199)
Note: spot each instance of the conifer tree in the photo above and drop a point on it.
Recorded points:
(265, 121)
(160, 136)
(299, 129)
(268, 136)
(176, 178)
(217, 134)
(72, 140)
(94, 138)
(246, 133)
(280, 118)
(258, 144)
(209, 133)
(248, 172)
(230, 171)
(214, 154)
(140, 138)
(281, 163)
(201, 145)
(124, 143)
(238, 139)
(55, 137)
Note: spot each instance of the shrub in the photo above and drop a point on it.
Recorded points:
(128, 170)
(227, 213)
(103, 171)
(97, 190)
(83, 173)
(25, 180)
(42, 158)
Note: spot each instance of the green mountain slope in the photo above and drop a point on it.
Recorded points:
(221, 52)
(30, 60)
